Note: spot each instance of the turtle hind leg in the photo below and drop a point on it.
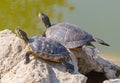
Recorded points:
(69, 67)
(90, 44)
(27, 58)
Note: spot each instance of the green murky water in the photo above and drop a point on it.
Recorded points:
(99, 17)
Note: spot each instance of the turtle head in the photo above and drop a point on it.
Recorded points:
(22, 34)
(45, 19)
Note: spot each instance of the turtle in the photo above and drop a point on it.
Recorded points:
(46, 49)
(70, 35)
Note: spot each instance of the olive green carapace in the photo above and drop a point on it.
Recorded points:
(70, 35)
(46, 49)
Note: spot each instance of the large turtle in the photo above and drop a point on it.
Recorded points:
(70, 35)
(46, 49)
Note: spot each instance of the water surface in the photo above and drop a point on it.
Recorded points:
(98, 17)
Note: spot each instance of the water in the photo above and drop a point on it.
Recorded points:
(98, 17)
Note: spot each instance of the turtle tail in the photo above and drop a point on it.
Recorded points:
(100, 41)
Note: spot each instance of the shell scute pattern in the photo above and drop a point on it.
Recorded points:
(69, 35)
(43, 45)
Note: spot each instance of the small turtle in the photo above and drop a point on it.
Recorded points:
(46, 49)
(70, 35)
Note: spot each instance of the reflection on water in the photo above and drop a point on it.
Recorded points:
(24, 13)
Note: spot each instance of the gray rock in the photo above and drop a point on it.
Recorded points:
(89, 59)
(112, 81)
(11, 51)
(39, 71)
(13, 69)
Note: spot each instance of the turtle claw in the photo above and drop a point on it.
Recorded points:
(69, 67)
(70, 70)
(26, 62)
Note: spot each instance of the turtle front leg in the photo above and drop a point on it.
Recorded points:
(27, 58)
(69, 67)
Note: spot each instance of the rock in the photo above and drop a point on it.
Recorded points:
(92, 61)
(112, 81)
(39, 71)
(95, 67)
(13, 69)
(11, 51)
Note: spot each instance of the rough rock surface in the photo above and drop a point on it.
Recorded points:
(13, 69)
(112, 81)
(92, 61)
(11, 51)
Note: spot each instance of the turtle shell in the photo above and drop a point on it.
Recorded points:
(48, 49)
(71, 36)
